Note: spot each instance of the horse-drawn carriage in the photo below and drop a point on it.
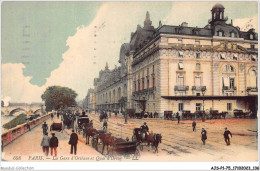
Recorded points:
(168, 115)
(121, 147)
(239, 113)
(214, 114)
(82, 123)
(145, 140)
(131, 113)
(186, 114)
(56, 127)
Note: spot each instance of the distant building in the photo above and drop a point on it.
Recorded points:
(89, 102)
(183, 68)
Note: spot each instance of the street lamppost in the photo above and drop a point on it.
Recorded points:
(203, 89)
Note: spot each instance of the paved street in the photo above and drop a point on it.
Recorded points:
(28, 147)
(179, 142)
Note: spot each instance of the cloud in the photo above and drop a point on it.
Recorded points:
(94, 45)
(6, 100)
(16, 86)
(247, 23)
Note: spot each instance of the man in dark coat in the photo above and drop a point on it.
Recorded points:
(194, 125)
(73, 142)
(52, 116)
(145, 129)
(54, 142)
(203, 136)
(44, 128)
(178, 117)
(226, 136)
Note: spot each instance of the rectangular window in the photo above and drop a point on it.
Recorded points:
(180, 106)
(229, 106)
(180, 66)
(232, 82)
(197, 66)
(198, 106)
(197, 81)
(252, 46)
(181, 80)
(232, 34)
(220, 33)
(197, 42)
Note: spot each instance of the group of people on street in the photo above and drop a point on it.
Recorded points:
(204, 134)
(48, 142)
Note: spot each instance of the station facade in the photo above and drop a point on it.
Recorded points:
(180, 68)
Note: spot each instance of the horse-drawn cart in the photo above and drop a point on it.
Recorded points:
(56, 127)
(145, 140)
(168, 115)
(82, 123)
(125, 148)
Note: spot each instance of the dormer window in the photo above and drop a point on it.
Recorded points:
(220, 33)
(251, 36)
(232, 34)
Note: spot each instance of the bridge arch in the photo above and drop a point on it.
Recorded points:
(16, 110)
(37, 110)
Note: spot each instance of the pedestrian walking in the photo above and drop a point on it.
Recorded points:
(226, 136)
(116, 114)
(194, 125)
(44, 128)
(203, 136)
(52, 116)
(28, 124)
(58, 115)
(54, 142)
(45, 144)
(178, 117)
(73, 142)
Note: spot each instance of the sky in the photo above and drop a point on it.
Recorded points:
(68, 43)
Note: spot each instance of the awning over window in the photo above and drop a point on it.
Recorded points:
(222, 56)
(235, 56)
(180, 65)
(225, 81)
(180, 53)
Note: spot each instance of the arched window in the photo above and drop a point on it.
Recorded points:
(228, 80)
(220, 33)
(252, 75)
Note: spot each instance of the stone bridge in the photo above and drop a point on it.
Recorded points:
(16, 110)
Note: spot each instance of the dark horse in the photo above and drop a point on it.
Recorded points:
(90, 132)
(153, 139)
(107, 140)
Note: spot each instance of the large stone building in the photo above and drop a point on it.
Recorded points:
(89, 101)
(183, 68)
